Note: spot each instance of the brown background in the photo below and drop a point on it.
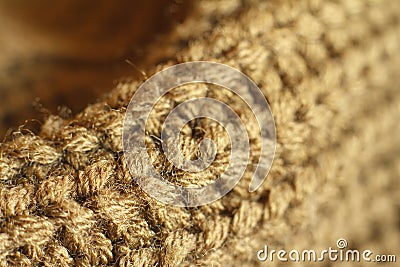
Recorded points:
(68, 53)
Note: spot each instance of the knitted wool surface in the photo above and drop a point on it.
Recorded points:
(328, 70)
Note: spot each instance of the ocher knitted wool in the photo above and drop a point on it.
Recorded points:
(328, 70)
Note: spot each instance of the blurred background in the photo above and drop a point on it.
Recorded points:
(58, 56)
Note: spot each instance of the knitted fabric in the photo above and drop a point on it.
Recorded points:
(328, 70)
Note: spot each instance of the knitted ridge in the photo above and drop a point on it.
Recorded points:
(328, 70)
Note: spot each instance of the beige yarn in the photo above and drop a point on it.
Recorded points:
(329, 71)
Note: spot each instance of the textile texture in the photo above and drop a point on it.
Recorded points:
(329, 70)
